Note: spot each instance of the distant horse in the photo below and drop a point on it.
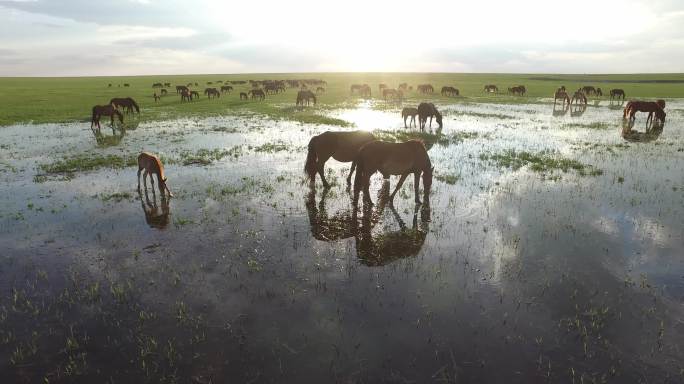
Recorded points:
(186, 95)
(152, 165)
(157, 85)
(257, 94)
(305, 97)
(392, 159)
(517, 90)
(212, 92)
(599, 92)
(243, 96)
(167, 84)
(588, 90)
(365, 90)
(449, 91)
(491, 88)
(617, 94)
(156, 98)
(194, 94)
(127, 103)
(209, 83)
(104, 110)
(341, 146)
(164, 92)
(654, 108)
(406, 112)
(110, 85)
(181, 88)
(226, 88)
(127, 85)
(561, 95)
(355, 88)
(426, 110)
(579, 98)
(425, 88)
(320, 90)
(391, 93)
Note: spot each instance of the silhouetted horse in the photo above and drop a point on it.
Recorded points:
(491, 88)
(226, 88)
(426, 110)
(212, 92)
(341, 146)
(425, 88)
(449, 91)
(104, 110)
(654, 108)
(617, 94)
(127, 103)
(257, 94)
(406, 112)
(392, 159)
(186, 95)
(305, 97)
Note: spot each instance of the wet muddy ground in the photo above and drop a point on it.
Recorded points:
(550, 251)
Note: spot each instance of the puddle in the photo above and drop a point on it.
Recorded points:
(246, 276)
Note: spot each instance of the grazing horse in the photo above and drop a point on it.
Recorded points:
(425, 88)
(257, 94)
(152, 165)
(579, 98)
(652, 107)
(341, 146)
(355, 88)
(126, 102)
(562, 95)
(517, 90)
(365, 90)
(156, 97)
(181, 88)
(186, 95)
(406, 112)
(104, 110)
(426, 110)
(449, 91)
(243, 96)
(391, 93)
(305, 97)
(212, 92)
(392, 159)
(588, 90)
(226, 88)
(617, 94)
(491, 88)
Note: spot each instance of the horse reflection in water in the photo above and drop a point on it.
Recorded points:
(372, 249)
(653, 131)
(578, 110)
(155, 216)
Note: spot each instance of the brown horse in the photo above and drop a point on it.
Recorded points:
(194, 95)
(341, 146)
(186, 95)
(392, 159)
(449, 91)
(226, 88)
(305, 97)
(127, 103)
(588, 90)
(562, 95)
(365, 90)
(517, 90)
(181, 88)
(391, 93)
(617, 94)
(426, 110)
(406, 112)
(104, 110)
(212, 92)
(425, 88)
(257, 94)
(152, 165)
(654, 108)
(491, 88)
(579, 98)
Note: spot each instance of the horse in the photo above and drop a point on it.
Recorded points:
(588, 90)
(426, 110)
(157, 85)
(104, 110)
(156, 98)
(491, 88)
(194, 95)
(403, 87)
(167, 84)
(257, 94)
(212, 92)
(127, 85)
(617, 94)
(517, 90)
(181, 88)
(305, 97)
(126, 102)
(355, 87)
(562, 95)
(449, 91)
(425, 88)
(406, 112)
(243, 96)
(365, 90)
(392, 159)
(341, 146)
(599, 92)
(654, 108)
(579, 97)
(152, 165)
(186, 95)
(226, 88)
(393, 93)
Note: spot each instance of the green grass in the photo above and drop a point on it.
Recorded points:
(50, 100)
(88, 162)
(542, 162)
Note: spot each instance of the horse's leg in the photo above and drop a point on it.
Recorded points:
(416, 185)
(139, 169)
(405, 116)
(399, 184)
(366, 189)
(320, 166)
(351, 171)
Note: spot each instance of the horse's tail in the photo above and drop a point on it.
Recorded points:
(135, 105)
(311, 157)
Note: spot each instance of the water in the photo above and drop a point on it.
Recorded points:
(509, 275)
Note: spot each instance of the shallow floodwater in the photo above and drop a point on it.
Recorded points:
(509, 274)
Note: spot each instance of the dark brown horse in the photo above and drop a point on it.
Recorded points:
(449, 91)
(305, 97)
(654, 108)
(426, 110)
(104, 110)
(226, 88)
(519, 90)
(406, 112)
(186, 95)
(212, 92)
(491, 88)
(617, 94)
(127, 103)
(392, 159)
(425, 88)
(341, 146)
(181, 88)
(257, 94)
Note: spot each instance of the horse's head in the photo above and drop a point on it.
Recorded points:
(438, 118)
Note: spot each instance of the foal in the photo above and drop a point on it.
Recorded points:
(412, 112)
(151, 164)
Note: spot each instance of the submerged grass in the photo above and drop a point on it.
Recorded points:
(88, 162)
(428, 138)
(207, 156)
(540, 162)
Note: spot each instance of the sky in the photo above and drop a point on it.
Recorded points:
(146, 37)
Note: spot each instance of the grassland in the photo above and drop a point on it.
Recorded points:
(55, 100)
